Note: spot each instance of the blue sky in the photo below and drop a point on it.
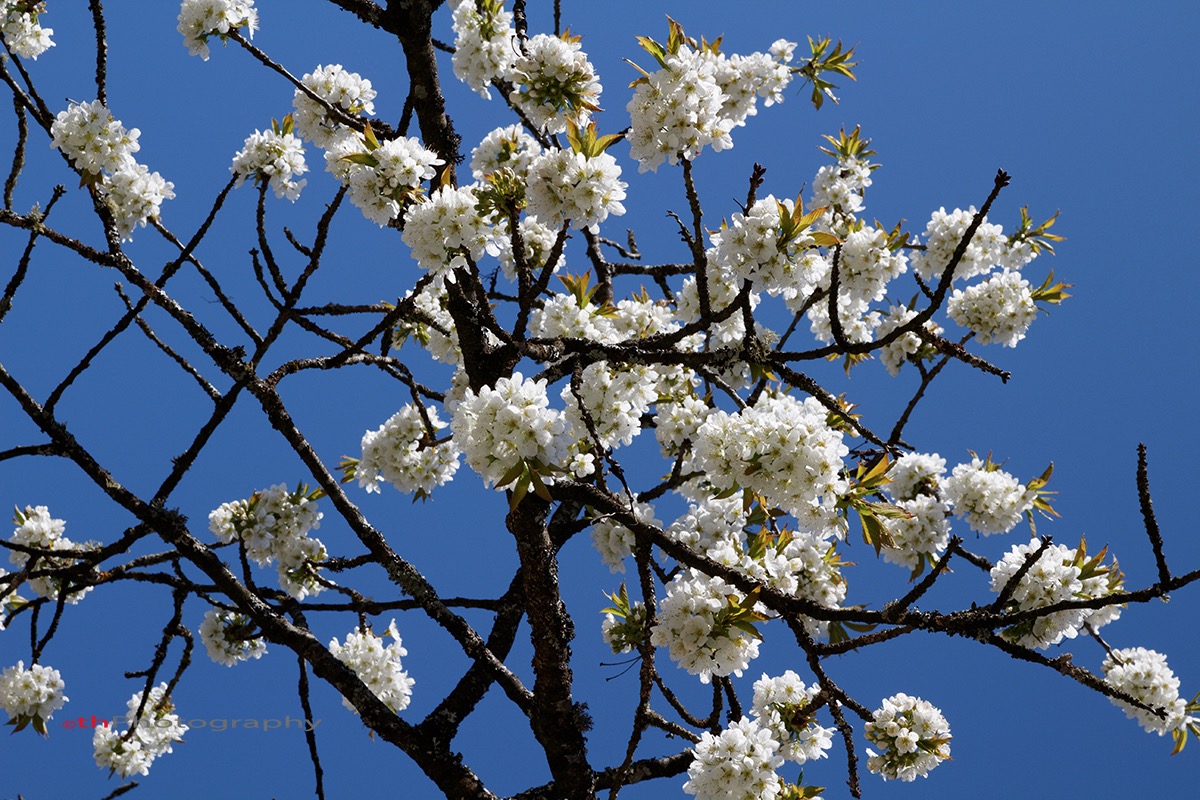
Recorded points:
(1093, 113)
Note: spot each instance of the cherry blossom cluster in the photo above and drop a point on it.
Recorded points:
(567, 186)
(509, 147)
(801, 564)
(22, 32)
(623, 635)
(781, 448)
(742, 760)
(37, 529)
(501, 426)
(697, 96)
(1059, 574)
(446, 229)
(133, 750)
(696, 624)
(485, 43)
(382, 176)
(999, 309)
(274, 157)
(754, 248)
(229, 637)
(377, 666)
(615, 400)
(913, 735)
(555, 84)
(404, 452)
(31, 696)
(1144, 675)
(739, 763)
(273, 526)
(990, 499)
(200, 20)
(347, 91)
(614, 541)
(782, 706)
(102, 149)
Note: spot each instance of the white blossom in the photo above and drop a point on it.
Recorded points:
(999, 309)
(568, 186)
(37, 529)
(31, 695)
(134, 195)
(228, 637)
(913, 735)
(22, 30)
(377, 666)
(485, 46)
(737, 764)
(988, 247)
(273, 526)
(781, 448)
(96, 142)
(691, 627)
(446, 229)
(274, 158)
(201, 19)
(1145, 676)
(404, 453)
(1058, 575)
(502, 425)
(990, 499)
(153, 735)
(555, 83)
(779, 706)
(508, 147)
(348, 91)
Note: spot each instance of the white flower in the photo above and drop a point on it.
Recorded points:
(446, 229)
(915, 474)
(1144, 674)
(403, 452)
(273, 526)
(555, 83)
(95, 142)
(991, 500)
(391, 177)
(31, 695)
(1060, 574)
(377, 666)
(153, 734)
(896, 353)
(677, 111)
(22, 31)
(201, 19)
(988, 246)
(782, 448)
(779, 706)
(272, 157)
(615, 398)
(568, 186)
(485, 46)
(134, 194)
(228, 637)
(509, 147)
(689, 627)
(922, 537)
(502, 425)
(999, 309)
(614, 541)
(36, 529)
(913, 734)
(841, 186)
(349, 91)
(737, 764)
